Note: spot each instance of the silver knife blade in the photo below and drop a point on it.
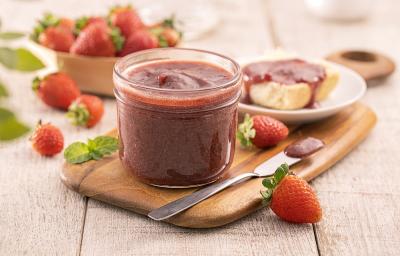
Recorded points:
(268, 167)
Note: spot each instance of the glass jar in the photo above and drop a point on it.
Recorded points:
(178, 136)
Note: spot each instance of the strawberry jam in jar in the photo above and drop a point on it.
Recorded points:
(177, 115)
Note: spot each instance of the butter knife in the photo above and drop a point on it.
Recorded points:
(291, 155)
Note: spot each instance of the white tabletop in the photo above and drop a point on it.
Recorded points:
(360, 195)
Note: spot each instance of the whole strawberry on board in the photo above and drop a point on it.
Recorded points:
(47, 139)
(139, 40)
(57, 90)
(86, 110)
(54, 33)
(126, 19)
(262, 131)
(96, 39)
(291, 198)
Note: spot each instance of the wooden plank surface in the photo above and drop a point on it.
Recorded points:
(361, 212)
(38, 215)
(360, 195)
(106, 180)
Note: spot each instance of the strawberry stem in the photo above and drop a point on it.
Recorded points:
(49, 20)
(271, 182)
(80, 23)
(117, 38)
(246, 132)
(78, 114)
(36, 84)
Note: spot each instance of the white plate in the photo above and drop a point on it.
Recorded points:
(350, 88)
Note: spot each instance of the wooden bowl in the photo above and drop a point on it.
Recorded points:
(92, 74)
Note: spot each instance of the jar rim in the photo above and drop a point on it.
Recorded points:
(235, 78)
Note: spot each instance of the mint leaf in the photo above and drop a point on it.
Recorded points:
(77, 152)
(11, 35)
(95, 149)
(10, 127)
(20, 59)
(105, 145)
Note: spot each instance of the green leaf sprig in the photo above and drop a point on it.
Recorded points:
(271, 182)
(95, 149)
(10, 126)
(11, 35)
(20, 59)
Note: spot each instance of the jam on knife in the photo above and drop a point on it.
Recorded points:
(303, 148)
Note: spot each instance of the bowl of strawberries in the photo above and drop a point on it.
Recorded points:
(87, 48)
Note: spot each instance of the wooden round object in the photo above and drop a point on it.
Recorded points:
(370, 65)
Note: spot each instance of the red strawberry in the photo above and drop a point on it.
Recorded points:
(140, 40)
(262, 131)
(47, 139)
(166, 33)
(84, 22)
(126, 19)
(56, 38)
(57, 90)
(54, 33)
(86, 110)
(67, 24)
(171, 36)
(291, 197)
(98, 40)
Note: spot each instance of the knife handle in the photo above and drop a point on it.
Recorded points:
(186, 202)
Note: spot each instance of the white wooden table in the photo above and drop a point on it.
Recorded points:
(360, 195)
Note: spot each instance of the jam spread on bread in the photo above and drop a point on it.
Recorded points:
(286, 72)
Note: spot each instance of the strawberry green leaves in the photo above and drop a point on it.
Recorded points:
(117, 38)
(246, 132)
(271, 182)
(95, 149)
(281, 172)
(47, 21)
(20, 59)
(78, 114)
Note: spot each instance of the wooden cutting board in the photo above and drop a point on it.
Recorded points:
(107, 181)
